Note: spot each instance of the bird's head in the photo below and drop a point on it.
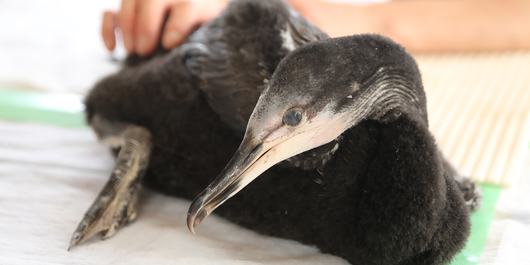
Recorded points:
(316, 93)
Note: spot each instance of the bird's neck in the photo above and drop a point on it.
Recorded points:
(389, 93)
(313, 159)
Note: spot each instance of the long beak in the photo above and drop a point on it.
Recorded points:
(250, 160)
(254, 156)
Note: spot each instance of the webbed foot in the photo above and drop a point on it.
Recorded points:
(115, 205)
(471, 191)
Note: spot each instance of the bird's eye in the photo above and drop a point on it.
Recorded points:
(292, 117)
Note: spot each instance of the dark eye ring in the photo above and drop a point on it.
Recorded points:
(292, 117)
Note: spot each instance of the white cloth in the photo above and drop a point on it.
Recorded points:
(49, 176)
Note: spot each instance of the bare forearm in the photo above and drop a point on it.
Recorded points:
(434, 25)
(465, 25)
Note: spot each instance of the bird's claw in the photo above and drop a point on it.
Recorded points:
(107, 217)
(115, 205)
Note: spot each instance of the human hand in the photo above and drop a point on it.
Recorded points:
(141, 22)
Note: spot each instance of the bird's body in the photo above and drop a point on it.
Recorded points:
(380, 193)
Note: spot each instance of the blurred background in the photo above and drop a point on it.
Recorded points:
(53, 45)
(51, 166)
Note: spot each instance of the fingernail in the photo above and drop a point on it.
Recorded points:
(171, 38)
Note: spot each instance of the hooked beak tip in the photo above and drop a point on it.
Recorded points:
(195, 217)
(76, 239)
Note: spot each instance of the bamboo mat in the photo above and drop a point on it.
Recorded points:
(479, 107)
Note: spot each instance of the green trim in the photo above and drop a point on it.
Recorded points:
(42, 107)
(480, 225)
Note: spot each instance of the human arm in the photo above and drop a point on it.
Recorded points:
(419, 25)
(427, 26)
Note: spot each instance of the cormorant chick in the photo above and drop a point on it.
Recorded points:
(358, 175)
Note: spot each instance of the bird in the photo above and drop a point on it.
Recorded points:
(329, 139)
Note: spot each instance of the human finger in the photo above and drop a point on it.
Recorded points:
(149, 20)
(185, 16)
(126, 22)
(107, 30)
(181, 20)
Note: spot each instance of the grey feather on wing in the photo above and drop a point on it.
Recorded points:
(233, 83)
(302, 31)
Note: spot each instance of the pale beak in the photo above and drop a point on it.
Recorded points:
(232, 179)
(250, 160)
(256, 156)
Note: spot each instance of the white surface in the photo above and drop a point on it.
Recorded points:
(49, 176)
(53, 45)
(508, 237)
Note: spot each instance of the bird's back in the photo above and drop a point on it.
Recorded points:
(234, 55)
(196, 99)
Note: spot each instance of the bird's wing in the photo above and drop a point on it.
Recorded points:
(234, 55)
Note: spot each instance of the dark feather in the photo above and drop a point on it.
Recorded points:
(384, 194)
(235, 55)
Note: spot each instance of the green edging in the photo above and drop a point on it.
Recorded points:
(480, 225)
(42, 107)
